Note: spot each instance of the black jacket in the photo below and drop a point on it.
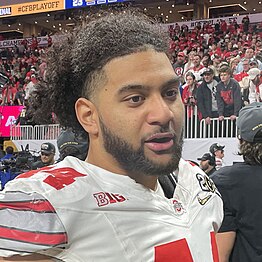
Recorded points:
(240, 186)
(204, 100)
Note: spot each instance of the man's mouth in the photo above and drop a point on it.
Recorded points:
(160, 142)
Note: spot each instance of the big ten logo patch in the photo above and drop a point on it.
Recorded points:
(105, 198)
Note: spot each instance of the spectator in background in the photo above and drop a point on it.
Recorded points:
(196, 69)
(20, 96)
(216, 60)
(228, 95)
(190, 62)
(179, 64)
(239, 238)
(8, 94)
(206, 96)
(252, 87)
(49, 41)
(255, 85)
(249, 53)
(245, 23)
(190, 91)
(217, 151)
(189, 98)
(9, 153)
(30, 87)
(208, 163)
(47, 156)
(245, 65)
(233, 65)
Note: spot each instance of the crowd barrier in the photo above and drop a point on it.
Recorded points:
(194, 128)
(37, 132)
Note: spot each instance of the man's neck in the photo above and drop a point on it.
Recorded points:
(227, 82)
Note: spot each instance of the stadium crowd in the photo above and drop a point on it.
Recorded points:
(195, 54)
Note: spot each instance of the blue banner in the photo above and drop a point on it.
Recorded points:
(82, 3)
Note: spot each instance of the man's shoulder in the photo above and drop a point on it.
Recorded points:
(220, 85)
(226, 175)
(51, 178)
(202, 86)
(234, 82)
(194, 179)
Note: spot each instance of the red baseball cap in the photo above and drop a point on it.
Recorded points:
(181, 54)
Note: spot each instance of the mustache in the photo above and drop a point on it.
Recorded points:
(160, 130)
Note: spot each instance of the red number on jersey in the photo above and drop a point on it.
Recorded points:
(58, 178)
(179, 251)
(175, 251)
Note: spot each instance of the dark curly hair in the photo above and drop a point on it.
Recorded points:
(252, 151)
(75, 63)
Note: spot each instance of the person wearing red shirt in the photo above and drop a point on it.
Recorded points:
(239, 76)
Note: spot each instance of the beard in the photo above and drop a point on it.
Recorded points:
(135, 161)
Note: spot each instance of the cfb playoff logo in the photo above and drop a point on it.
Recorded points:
(105, 198)
(206, 184)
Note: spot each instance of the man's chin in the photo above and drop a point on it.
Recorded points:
(161, 159)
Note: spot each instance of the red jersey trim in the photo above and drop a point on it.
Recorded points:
(39, 238)
(36, 206)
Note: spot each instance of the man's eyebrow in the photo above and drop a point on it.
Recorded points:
(134, 87)
(174, 82)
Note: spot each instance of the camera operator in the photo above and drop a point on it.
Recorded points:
(47, 156)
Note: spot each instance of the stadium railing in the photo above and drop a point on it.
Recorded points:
(37, 132)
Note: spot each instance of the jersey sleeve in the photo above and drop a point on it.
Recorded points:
(28, 224)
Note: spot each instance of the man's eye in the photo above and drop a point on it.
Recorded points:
(171, 93)
(136, 99)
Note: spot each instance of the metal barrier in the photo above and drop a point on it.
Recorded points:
(226, 128)
(37, 132)
(194, 128)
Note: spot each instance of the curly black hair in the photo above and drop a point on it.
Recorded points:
(252, 151)
(75, 63)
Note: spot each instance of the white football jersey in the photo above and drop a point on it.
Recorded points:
(77, 212)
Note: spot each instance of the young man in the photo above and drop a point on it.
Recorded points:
(47, 156)
(228, 95)
(113, 79)
(239, 238)
(217, 151)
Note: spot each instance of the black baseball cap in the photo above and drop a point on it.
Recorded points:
(249, 122)
(215, 147)
(48, 148)
(207, 156)
(76, 143)
(207, 71)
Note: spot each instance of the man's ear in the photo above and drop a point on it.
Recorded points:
(87, 115)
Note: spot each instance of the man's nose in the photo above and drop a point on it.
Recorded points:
(160, 111)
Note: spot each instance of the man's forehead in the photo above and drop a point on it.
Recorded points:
(137, 63)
